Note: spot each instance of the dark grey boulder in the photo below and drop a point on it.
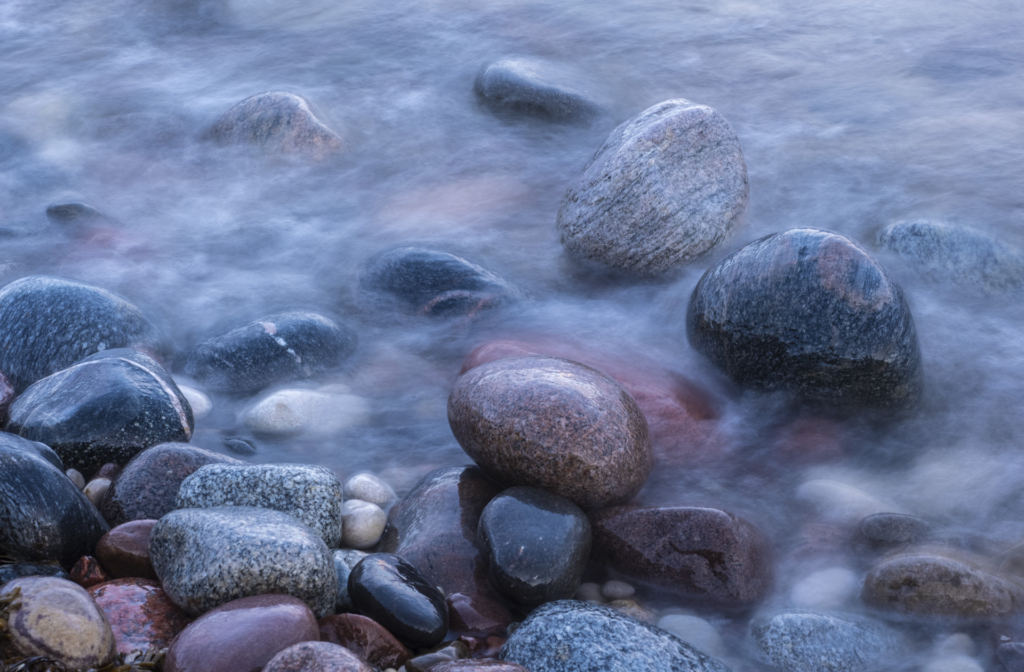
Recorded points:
(275, 349)
(278, 121)
(106, 408)
(809, 312)
(884, 531)
(571, 636)
(808, 641)
(47, 324)
(518, 86)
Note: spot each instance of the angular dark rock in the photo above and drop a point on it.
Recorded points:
(522, 87)
(279, 121)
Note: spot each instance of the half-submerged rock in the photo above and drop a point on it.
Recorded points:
(278, 121)
(518, 86)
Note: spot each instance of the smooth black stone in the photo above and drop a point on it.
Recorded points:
(43, 516)
(887, 530)
(106, 408)
(522, 87)
(276, 349)
(240, 446)
(42, 450)
(20, 569)
(73, 213)
(1011, 655)
(535, 544)
(435, 283)
(47, 324)
(809, 312)
(390, 591)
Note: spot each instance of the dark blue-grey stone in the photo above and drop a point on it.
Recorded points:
(43, 516)
(242, 447)
(344, 560)
(535, 545)
(106, 408)
(571, 636)
(532, 88)
(275, 349)
(889, 530)
(20, 569)
(73, 213)
(47, 324)
(808, 641)
(389, 590)
(809, 312)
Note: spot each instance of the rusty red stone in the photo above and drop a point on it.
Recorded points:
(88, 572)
(140, 613)
(124, 550)
(477, 614)
(365, 637)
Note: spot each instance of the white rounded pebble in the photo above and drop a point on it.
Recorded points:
(826, 590)
(953, 664)
(362, 523)
(617, 590)
(695, 631)
(200, 403)
(841, 503)
(96, 490)
(76, 478)
(297, 411)
(369, 488)
(590, 592)
(957, 644)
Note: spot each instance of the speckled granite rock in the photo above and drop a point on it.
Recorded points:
(140, 614)
(276, 349)
(389, 590)
(536, 545)
(890, 530)
(105, 408)
(59, 620)
(240, 551)
(20, 569)
(809, 312)
(807, 641)
(482, 665)
(663, 189)
(708, 554)
(48, 324)
(316, 657)
(124, 550)
(571, 636)
(523, 87)
(344, 561)
(552, 424)
(366, 638)
(311, 494)
(148, 485)
(279, 121)
(43, 516)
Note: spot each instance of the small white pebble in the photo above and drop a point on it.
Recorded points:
(957, 644)
(695, 631)
(295, 411)
(828, 589)
(362, 523)
(200, 403)
(617, 590)
(953, 664)
(590, 592)
(76, 478)
(96, 490)
(369, 488)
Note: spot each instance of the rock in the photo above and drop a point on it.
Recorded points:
(278, 121)
(275, 349)
(316, 657)
(590, 592)
(240, 551)
(663, 189)
(76, 478)
(696, 632)
(536, 545)
(808, 641)
(288, 412)
(389, 590)
(344, 561)
(953, 664)
(617, 590)
(956, 254)
(310, 494)
(241, 447)
(632, 609)
(831, 589)
(140, 614)
(552, 424)
(924, 584)
(57, 619)
(571, 636)
(366, 638)
(109, 471)
(369, 488)
(95, 490)
(43, 516)
(200, 403)
(7, 395)
(19, 569)
(710, 555)
(148, 486)
(88, 572)
(124, 550)
(483, 648)
(810, 313)
(364, 524)
(105, 408)
(73, 213)
(840, 503)
(1011, 655)
(480, 665)
(427, 661)
(890, 530)
(477, 614)
(242, 635)
(48, 324)
(531, 88)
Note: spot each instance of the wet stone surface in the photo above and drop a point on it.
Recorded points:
(806, 641)
(140, 614)
(477, 614)
(20, 569)
(124, 550)
(366, 638)
(280, 122)
(518, 86)
(344, 561)
(890, 530)
(316, 657)
(88, 572)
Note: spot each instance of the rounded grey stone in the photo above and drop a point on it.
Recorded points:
(279, 121)
(532, 88)
(810, 641)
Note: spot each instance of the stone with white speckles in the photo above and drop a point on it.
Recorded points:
(288, 412)
(311, 494)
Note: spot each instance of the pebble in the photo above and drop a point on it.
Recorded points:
(710, 555)
(590, 592)
(572, 636)
(840, 503)
(309, 493)
(366, 638)
(477, 614)
(663, 189)
(696, 632)
(147, 487)
(363, 524)
(344, 561)
(242, 635)
(275, 349)
(142, 407)
(826, 590)
(952, 664)
(617, 590)
(76, 477)
(883, 531)
(294, 411)
(481, 665)
(88, 572)
(47, 324)
(96, 490)
(519, 86)
(242, 447)
(808, 641)
(1011, 655)
(124, 550)
(535, 545)
(201, 404)
(632, 609)
(389, 590)
(17, 570)
(316, 657)
(370, 488)
(140, 614)
(73, 213)
(427, 661)
(59, 620)
(240, 551)
(586, 440)
(280, 122)
(109, 471)
(809, 312)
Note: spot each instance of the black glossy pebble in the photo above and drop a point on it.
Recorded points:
(390, 591)
(535, 545)
(887, 530)
(275, 349)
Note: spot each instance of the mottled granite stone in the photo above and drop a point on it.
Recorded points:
(316, 657)
(124, 550)
(809, 312)
(571, 636)
(389, 590)
(311, 494)
(519, 86)
(552, 424)
(47, 324)
(208, 557)
(663, 189)
(278, 121)
(807, 641)
(106, 408)
(140, 614)
(366, 638)
(275, 349)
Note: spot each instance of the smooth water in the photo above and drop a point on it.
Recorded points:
(851, 115)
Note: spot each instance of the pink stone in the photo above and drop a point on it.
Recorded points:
(140, 613)
(124, 550)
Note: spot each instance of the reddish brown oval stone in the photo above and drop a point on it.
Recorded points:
(140, 613)
(316, 657)
(366, 638)
(476, 614)
(88, 572)
(478, 665)
(242, 635)
(124, 550)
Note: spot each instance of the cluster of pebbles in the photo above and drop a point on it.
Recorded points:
(125, 545)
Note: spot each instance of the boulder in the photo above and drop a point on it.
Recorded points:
(808, 641)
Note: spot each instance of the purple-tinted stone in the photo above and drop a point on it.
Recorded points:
(365, 637)
(141, 615)
(124, 551)
(316, 657)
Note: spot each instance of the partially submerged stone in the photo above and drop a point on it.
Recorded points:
(810, 641)
(520, 86)
(279, 121)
